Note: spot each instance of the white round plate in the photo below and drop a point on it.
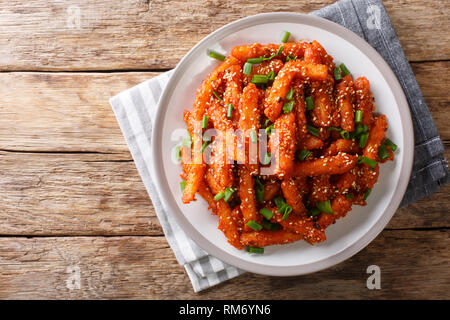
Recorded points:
(347, 236)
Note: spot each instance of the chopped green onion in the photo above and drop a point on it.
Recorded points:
(349, 196)
(266, 224)
(390, 144)
(334, 129)
(358, 116)
(266, 122)
(283, 207)
(271, 75)
(247, 70)
(254, 225)
(219, 196)
(273, 55)
(303, 154)
(227, 194)
(290, 57)
(344, 69)
(280, 50)
(230, 111)
(205, 122)
(365, 160)
(267, 158)
(345, 134)
(383, 152)
(363, 139)
(288, 106)
(290, 94)
(325, 207)
(269, 225)
(217, 96)
(313, 212)
(360, 128)
(178, 153)
(259, 190)
(279, 202)
(260, 194)
(313, 130)
(337, 74)
(255, 60)
(309, 103)
(285, 37)
(367, 194)
(216, 55)
(205, 144)
(287, 211)
(259, 78)
(258, 183)
(182, 185)
(261, 59)
(255, 250)
(268, 214)
(270, 128)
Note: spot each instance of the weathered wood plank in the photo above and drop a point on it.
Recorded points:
(59, 191)
(155, 34)
(430, 212)
(63, 112)
(96, 194)
(76, 105)
(73, 194)
(145, 268)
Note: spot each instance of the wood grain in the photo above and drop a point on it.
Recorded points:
(413, 266)
(72, 202)
(69, 112)
(435, 89)
(155, 34)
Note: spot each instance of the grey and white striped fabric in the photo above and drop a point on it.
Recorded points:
(135, 109)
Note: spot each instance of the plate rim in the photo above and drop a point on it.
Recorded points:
(162, 186)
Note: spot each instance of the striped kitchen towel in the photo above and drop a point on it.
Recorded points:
(135, 109)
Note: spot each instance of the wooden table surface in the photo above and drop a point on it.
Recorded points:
(72, 203)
